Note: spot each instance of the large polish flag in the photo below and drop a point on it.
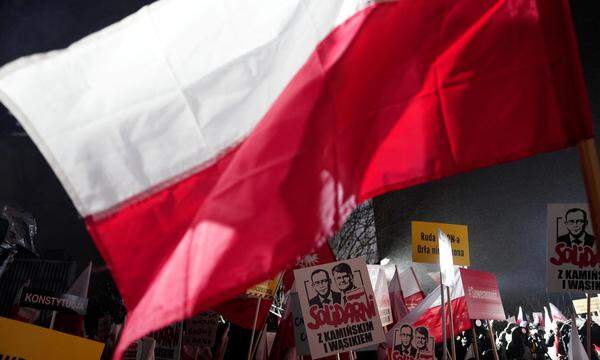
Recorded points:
(429, 312)
(411, 288)
(209, 144)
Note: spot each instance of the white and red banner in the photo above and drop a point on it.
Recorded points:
(428, 313)
(194, 136)
(520, 317)
(573, 261)
(556, 314)
(575, 351)
(482, 295)
(538, 319)
(382, 295)
(338, 307)
(411, 288)
(399, 309)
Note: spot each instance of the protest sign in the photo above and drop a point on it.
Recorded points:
(413, 343)
(264, 290)
(382, 295)
(538, 319)
(572, 263)
(167, 342)
(47, 300)
(201, 330)
(299, 328)
(21, 340)
(580, 305)
(482, 295)
(338, 307)
(425, 245)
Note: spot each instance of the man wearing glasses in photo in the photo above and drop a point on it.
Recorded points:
(405, 347)
(575, 222)
(321, 283)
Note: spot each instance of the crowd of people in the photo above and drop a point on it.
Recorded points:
(522, 341)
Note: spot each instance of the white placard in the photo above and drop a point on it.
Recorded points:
(382, 295)
(339, 307)
(572, 263)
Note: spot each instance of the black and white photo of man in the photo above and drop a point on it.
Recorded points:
(405, 347)
(342, 274)
(421, 340)
(321, 283)
(576, 222)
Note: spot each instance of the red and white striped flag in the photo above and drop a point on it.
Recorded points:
(556, 314)
(520, 316)
(576, 350)
(209, 144)
(428, 313)
(399, 309)
(411, 289)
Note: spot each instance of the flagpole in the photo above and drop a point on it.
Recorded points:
(258, 340)
(445, 348)
(253, 329)
(387, 350)
(492, 340)
(52, 319)
(590, 168)
(588, 327)
(475, 346)
(452, 342)
(180, 341)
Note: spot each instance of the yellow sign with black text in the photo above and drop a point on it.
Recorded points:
(425, 248)
(266, 289)
(21, 340)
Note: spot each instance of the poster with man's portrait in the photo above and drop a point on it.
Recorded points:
(413, 343)
(573, 262)
(338, 307)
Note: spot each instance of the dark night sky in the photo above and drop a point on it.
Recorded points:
(503, 205)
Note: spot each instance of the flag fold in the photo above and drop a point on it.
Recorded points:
(208, 146)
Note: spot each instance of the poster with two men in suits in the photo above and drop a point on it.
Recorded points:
(338, 307)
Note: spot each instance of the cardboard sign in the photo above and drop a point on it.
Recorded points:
(573, 262)
(167, 342)
(382, 295)
(201, 330)
(46, 300)
(21, 340)
(482, 295)
(413, 343)
(338, 307)
(425, 246)
(264, 290)
(580, 305)
(299, 329)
